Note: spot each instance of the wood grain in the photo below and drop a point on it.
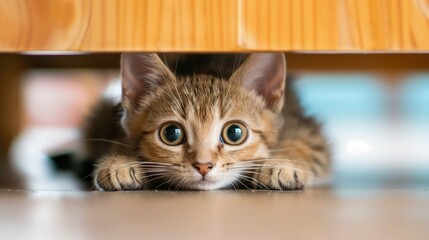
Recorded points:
(214, 25)
(167, 25)
(43, 24)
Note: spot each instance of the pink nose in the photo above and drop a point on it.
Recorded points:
(203, 168)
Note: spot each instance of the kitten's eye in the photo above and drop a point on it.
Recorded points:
(172, 134)
(234, 133)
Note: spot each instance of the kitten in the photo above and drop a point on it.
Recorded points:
(203, 132)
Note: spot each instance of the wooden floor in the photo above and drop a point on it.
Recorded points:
(309, 214)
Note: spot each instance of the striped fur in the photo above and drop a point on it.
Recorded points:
(284, 150)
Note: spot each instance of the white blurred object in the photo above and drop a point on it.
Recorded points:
(357, 147)
(113, 91)
(29, 158)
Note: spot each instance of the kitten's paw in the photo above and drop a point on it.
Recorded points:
(118, 173)
(277, 175)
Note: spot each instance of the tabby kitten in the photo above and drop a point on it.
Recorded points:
(202, 132)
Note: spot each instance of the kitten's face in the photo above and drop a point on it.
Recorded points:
(198, 131)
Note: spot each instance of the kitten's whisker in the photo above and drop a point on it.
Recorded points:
(159, 163)
(150, 179)
(126, 165)
(172, 181)
(291, 148)
(148, 165)
(139, 164)
(254, 165)
(87, 176)
(274, 167)
(175, 66)
(185, 184)
(157, 168)
(152, 169)
(164, 182)
(109, 141)
(122, 167)
(270, 164)
(279, 163)
(179, 184)
(233, 185)
(260, 159)
(160, 166)
(253, 180)
(155, 174)
(254, 172)
(153, 178)
(156, 165)
(269, 159)
(264, 165)
(156, 171)
(239, 181)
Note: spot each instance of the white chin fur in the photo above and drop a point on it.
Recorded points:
(206, 186)
(210, 185)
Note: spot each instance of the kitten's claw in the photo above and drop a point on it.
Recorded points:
(118, 173)
(280, 176)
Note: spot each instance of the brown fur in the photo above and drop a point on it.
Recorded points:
(284, 149)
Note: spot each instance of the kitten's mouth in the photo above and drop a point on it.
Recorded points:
(211, 181)
(206, 181)
(207, 184)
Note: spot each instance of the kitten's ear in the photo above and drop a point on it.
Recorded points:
(142, 74)
(265, 74)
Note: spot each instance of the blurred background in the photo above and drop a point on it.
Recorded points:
(375, 109)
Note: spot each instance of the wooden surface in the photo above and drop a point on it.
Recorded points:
(311, 214)
(214, 25)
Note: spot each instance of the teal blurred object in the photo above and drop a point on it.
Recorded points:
(379, 130)
(414, 96)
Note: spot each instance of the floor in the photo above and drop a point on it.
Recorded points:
(310, 214)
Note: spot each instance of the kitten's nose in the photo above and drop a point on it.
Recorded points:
(203, 168)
